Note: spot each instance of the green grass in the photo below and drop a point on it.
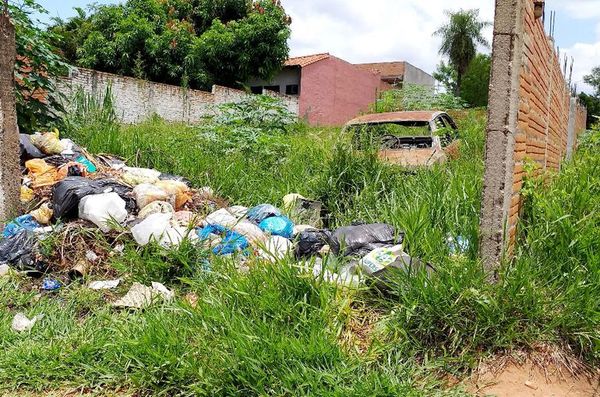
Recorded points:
(276, 330)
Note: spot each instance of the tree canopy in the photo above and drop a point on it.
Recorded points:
(475, 85)
(593, 79)
(460, 37)
(193, 43)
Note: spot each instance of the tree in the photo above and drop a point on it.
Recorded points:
(460, 37)
(593, 79)
(592, 103)
(475, 85)
(193, 43)
(37, 65)
(446, 75)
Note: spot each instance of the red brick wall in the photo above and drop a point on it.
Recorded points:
(543, 114)
(334, 91)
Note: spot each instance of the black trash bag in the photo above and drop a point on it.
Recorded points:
(404, 266)
(68, 192)
(59, 160)
(171, 177)
(28, 149)
(20, 251)
(310, 242)
(359, 240)
(124, 191)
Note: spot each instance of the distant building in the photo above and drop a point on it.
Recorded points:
(399, 73)
(331, 91)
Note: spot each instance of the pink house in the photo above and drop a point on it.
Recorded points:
(331, 91)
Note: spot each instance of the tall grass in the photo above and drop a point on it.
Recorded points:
(278, 331)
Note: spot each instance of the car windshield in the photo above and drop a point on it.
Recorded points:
(398, 129)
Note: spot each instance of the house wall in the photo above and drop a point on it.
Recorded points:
(136, 100)
(288, 76)
(414, 75)
(334, 91)
(531, 117)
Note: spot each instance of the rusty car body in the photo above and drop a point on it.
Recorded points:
(437, 136)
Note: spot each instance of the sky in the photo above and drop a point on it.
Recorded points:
(392, 30)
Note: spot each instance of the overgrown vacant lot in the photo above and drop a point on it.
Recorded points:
(278, 331)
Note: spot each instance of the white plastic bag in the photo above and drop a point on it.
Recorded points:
(103, 209)
(151, 228)
(276, 248)
(221, 217)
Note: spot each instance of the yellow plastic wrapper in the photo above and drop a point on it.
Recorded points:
(48, 142)
(41, 173)
(26, 194)
(179, 189)
(43, 214)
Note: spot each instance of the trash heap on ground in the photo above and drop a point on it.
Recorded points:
(63, 184)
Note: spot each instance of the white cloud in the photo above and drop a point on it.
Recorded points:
(375, 30)
(586, 57)
(581, 9)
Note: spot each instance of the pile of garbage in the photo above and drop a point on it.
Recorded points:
(63, 184)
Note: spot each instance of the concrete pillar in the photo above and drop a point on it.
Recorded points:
(10, 173)
(571, 135)
(501, 130)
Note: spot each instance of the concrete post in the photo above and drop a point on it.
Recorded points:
(571, 131)
(501, 130)
(10, 173)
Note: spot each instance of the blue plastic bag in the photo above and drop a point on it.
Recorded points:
(23, 222)
(205, 232)
(261, 212)
(231, 243)
(278, 226)
(51, 284)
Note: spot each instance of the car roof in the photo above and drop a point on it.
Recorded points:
(392, 117)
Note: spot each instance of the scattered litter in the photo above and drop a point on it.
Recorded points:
(311, 241)
(261, 212)
(4, 270)
(151, 228)
(140, 296)
(361, 239)
(156, 207)
(50, 284)
(185, 218)
(137, 176)
(238, 211)
(41, 173)
(276, 248)
(43, 214)
(104, 210)
(21, 323)
(23, 222)
(278, 226)
(19, 251)
(232, 242)
(221, 217)
(26, 194)
(90, 167)
(180, 190)
(48, 142)
(166, 293)
(302, 228)
(458, 245)
(146, 194)
(108, 284)
(28, 149)
(91, 256)
(303, 210)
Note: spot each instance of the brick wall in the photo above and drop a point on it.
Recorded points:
(135, 100)
(531, 117)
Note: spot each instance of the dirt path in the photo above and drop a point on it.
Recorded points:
(530, 380)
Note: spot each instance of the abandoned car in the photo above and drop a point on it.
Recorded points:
(415, 138)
